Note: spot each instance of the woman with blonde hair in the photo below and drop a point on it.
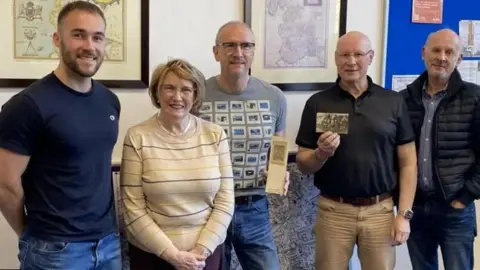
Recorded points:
(176, 178)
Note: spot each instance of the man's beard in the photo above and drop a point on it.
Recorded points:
(69, 58)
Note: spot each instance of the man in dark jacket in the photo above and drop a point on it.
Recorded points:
(445, 114)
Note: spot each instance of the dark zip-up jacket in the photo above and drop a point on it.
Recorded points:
(455, 136)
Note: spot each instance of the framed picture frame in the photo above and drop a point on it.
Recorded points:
(295, 41)
(32, 54)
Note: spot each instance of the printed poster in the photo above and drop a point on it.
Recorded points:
(427, 11)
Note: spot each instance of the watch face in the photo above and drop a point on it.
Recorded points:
(408, 214)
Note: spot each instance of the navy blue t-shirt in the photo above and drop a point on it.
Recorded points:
(69, 137)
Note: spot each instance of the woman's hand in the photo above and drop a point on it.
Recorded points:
(200, 250)
(184, 260)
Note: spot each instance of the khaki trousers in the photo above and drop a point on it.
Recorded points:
(340, 226)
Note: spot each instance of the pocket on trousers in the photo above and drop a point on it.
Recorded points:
(387, 206)
(261, 205)
(51, 247)
(455, 210)
(22, 251)
(326, 204)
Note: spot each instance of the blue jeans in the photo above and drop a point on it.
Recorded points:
(437, 223)
(38, 254)
(250, 234)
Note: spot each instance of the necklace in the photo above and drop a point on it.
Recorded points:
(173, 134)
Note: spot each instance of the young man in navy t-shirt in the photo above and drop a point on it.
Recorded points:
(56, 143)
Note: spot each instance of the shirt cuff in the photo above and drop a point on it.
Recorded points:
(209, 240)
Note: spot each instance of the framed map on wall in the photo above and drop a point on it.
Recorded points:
(295, 41)
(32, 54)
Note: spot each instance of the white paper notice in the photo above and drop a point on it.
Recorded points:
(469, 70)
(400, 82)
(277, 165)
(470, 35)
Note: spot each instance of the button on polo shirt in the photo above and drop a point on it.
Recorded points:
(365, 164)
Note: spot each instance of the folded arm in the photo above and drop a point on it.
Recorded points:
(307, 159)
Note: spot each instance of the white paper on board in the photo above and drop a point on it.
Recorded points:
(469, 32)
(469, 70)
(400, 82)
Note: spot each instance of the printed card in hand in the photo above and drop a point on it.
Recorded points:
(334, 122)
(277, 165)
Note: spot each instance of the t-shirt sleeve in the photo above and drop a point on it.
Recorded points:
(281, 122)
(20, 124)
(113, 98)
(117, 104)
(307, 136)
(405, 133)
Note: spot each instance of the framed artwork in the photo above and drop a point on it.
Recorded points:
(295, 41)
(32, 54)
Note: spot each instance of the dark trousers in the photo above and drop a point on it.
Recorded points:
(439, 224)
(141, 260)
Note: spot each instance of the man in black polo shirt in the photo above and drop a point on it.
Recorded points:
(56, 142)
(358, 172)
(445, 114)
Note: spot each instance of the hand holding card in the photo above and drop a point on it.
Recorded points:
(334, 122)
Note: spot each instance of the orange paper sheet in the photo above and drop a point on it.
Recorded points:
(427, 11)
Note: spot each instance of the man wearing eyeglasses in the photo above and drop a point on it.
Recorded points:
(357, 167)
(251, 111)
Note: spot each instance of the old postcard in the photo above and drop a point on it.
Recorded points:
(277, 165)
(334, 122)
(279, 152)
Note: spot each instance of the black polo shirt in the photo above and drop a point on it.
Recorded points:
(365, 163)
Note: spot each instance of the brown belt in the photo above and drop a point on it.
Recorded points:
(359, 201)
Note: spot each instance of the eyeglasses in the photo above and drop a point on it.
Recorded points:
(246, 47)
(172, 90)
(356, 55)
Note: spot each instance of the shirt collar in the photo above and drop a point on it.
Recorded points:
(438, 94)
(346, 93)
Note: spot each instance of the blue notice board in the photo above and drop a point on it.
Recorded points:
(404, 39)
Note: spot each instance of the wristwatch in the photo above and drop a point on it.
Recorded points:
(407, 214)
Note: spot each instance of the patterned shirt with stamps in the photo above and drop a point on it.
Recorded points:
(249, 119)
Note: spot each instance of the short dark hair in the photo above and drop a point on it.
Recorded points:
(81, 6)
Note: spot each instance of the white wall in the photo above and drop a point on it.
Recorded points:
(177, 31)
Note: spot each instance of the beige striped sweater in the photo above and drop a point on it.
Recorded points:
(176, 191)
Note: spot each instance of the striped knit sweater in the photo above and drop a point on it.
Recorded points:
(176, 191)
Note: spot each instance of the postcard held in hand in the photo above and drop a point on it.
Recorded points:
(333, 122)
(277, 165)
